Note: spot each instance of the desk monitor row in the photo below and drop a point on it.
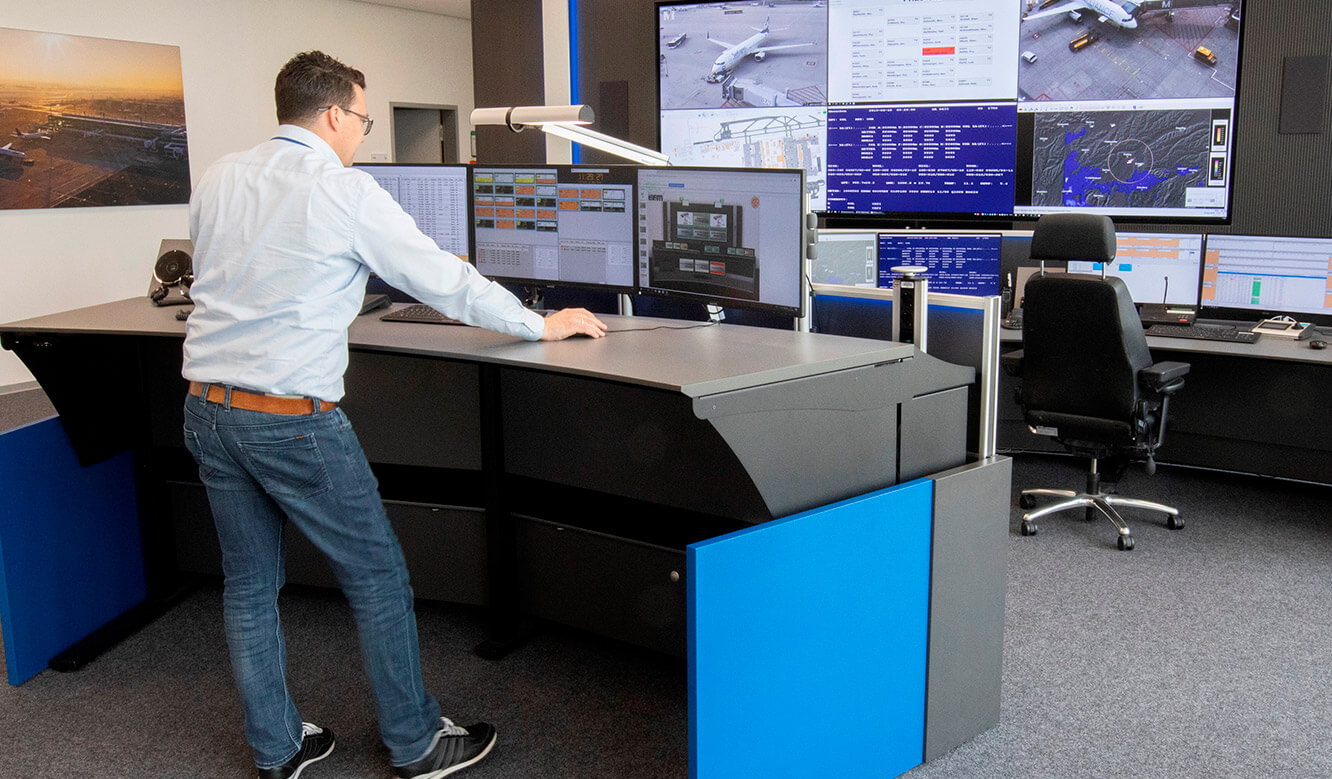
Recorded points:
(732, 237)
(1226, 276)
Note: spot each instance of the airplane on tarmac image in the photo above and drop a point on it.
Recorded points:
(1111, 10)
(9, 153)
(35, 135)
(735, 52)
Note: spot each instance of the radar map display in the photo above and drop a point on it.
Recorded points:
(1120, 158)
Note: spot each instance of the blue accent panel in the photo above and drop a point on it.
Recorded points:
(862, 317)
(574, 92)
(71, 555)
(807, 641)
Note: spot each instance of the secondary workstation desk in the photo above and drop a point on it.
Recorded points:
(1259, 408)
(795, 513)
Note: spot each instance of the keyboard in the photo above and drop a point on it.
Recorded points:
(1204, 333)
(419, 313)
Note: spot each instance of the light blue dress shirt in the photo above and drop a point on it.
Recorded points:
(284, 238)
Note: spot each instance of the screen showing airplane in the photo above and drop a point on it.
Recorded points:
(1260, 276)
(555, 224)
(435, 196)
(957, 263)
(931, 109)
(1156, 267)
(723, 236)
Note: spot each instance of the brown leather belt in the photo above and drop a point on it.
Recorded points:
(257, 401)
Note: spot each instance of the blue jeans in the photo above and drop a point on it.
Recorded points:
(264, 469)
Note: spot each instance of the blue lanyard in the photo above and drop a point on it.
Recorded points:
(291, 140)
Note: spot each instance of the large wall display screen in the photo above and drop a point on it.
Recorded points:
(937, 108)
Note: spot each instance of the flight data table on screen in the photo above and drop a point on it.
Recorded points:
(1266, 273)
(1156, 267)
(556, 224)
(436, 198)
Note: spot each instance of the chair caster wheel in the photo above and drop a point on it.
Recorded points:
(1028, 528)
(1126, 543)
(1027, 501)
(1174, 522)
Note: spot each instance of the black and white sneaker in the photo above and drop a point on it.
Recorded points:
(453, 749)
(316, 744)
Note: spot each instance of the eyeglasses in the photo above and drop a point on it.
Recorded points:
(366, 122)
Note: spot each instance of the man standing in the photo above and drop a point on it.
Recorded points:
(285, 236)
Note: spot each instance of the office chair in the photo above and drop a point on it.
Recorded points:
(1087, 377)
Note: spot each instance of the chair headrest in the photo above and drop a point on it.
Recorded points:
(1089, 237)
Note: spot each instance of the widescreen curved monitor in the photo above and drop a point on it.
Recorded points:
(947, 109)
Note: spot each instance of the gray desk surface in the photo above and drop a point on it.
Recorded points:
(1267, 347)
(696, 362)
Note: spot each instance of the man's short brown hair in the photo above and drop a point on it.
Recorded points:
(310, 81)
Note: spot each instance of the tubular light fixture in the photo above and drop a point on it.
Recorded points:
(563, 121)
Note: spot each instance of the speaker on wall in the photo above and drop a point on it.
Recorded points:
(173, 273)
(1303, 95)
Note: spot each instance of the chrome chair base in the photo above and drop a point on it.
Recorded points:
(1101, 502)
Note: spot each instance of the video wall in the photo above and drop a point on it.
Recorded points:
(977, 108)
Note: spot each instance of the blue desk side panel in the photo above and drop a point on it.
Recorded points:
(71, 554)
(807, 641)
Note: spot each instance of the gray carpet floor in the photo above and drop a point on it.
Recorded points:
(1202, 653)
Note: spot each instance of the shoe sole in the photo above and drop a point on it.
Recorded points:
(494, 737)
(302, 766)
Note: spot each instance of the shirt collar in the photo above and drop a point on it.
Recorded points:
(305, 137)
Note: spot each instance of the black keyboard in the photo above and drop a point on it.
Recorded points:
(419, 313)
(1205, 333)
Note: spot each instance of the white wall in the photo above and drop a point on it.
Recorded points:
(56, 259)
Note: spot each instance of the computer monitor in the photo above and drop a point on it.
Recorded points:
(846, 257)
(1156, 267)
(1256, 276)
(555, 224)
(724, 236)
(435, 196)
(958, 263)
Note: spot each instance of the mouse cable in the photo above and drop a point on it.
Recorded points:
(660, 327)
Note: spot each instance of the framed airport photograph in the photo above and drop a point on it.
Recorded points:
(90, 122)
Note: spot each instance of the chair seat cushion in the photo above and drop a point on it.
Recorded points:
(1072, 427)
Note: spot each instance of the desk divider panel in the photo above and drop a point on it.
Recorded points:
(71, 556)
(807, 641)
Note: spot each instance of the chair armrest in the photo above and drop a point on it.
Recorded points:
(1163, 377)
(1012, 362)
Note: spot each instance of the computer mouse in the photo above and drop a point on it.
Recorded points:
(1318, 344)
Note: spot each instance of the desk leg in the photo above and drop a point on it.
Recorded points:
(508, 629)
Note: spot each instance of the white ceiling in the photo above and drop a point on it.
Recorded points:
(459, 8)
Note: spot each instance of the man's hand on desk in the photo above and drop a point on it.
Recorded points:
(572, 321)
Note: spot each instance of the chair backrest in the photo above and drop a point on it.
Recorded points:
(1083, 347)
(1083, 342)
